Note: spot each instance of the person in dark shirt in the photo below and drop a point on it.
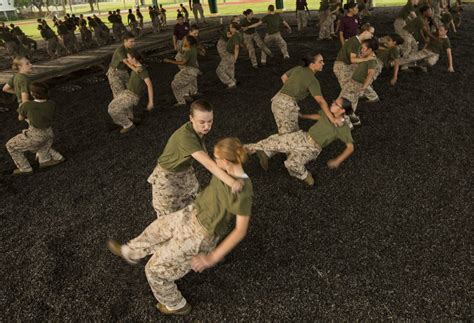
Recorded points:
(302, 13)
(180, 30)
(349, 24)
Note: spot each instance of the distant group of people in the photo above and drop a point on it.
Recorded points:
(190, 223)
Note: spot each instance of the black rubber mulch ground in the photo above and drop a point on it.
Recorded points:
(386, 236)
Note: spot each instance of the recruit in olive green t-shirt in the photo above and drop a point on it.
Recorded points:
(273, 22)
(439, 45)
(301, 82)
(184, 142)
(20, 83)
(217, 205)
(324, 132)
(40, 114)
(117, 59)
(136, 82)
(362, 69)
(351, 46)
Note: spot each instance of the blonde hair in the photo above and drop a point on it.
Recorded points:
(231, 149)
(17, 61)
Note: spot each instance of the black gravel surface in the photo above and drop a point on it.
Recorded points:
(386, 236)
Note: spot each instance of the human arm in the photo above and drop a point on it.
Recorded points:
(202, 261)
(396, 68)
(175, 44)
(284, 78)
(149, 87)
(450, 60)
(355, 59)
(369, 79)
(287, 26)
(175, 62)
(315, 116)
(203, 158)
(336, 162)
(341, 38)
(8, 89)
(255, 25)
(236, 52)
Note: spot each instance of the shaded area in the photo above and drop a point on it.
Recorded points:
(385, 236)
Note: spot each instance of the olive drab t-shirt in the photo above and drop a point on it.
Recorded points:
(217, 205)
(362, 69)
(117, 60)
(273, 23)
(324, 132)
(245, 22)
(190, 56)
(405, 11)
(439, 45)
(136, 83)
(351, 46)
(40, 115)
(388, 55)
(20, 84)
(414, 26)
(234, 40)
(184, 142)
(324, 5)
(301, 82)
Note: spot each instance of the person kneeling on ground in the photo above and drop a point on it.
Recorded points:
(431, 52)
(362, 79)
(121, 107)
(303, 147)
(39, 136)
(185, 240)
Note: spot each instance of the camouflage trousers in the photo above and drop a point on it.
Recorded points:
(226, 69)
(155, 24)
(121, 108)
(398, 25)
(285, 111)
(369, 92)
(298, 146)
(118, 80)
(172, 240)
(326, 25)
(352, 91)
(279, 41)
(185, 83)
(171, 191)
(36, 140)
(410, 45)
(302, 19)
(343, 72)
(431, 58)
(197, 8)
(248, 41)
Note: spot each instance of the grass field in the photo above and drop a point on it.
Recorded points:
(229, 8)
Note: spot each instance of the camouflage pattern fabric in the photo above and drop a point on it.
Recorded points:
(409, 46)
(325, 25)
(172, 190)
(302, 19)
(298, 146)
(197, 8)
(172, 240)
(398, 25)
(369, 92)
(121, 108)
(35, 140)
(248, 41)
(285, 110)
(226, 69)
(352, 91)
(185, 83)
(118, 80)
(431, 58)
(279, 41)
(343, 72)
